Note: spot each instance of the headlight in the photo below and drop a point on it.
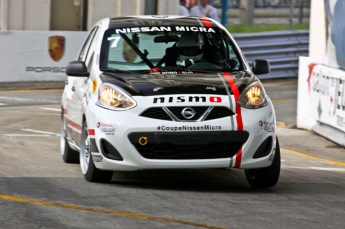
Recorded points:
(253, 97)
(114, 98)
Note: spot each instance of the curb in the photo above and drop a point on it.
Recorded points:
(31, 85)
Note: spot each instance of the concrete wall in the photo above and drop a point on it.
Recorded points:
(25, 15)
(36, 14)
(166, 7)
(28, 55)
(65, 15)
(98, 9)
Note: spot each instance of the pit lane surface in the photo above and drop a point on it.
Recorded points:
(38, 190)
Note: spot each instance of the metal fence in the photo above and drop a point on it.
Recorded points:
(282, 50)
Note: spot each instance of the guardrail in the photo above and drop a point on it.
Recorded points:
(282, 49)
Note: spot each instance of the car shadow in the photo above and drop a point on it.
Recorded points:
(195, 180)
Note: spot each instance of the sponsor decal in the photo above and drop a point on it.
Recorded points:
(268, 126)
(56, 47)
(157, 71)
(166, 28)
(185, 99)
(327, 96)
(170, 72)
(158, 88)
(188, 128)
(311, 68)
(211, 88)
(261, 123)
(143, 140)
(215, 99)
(186, 72)
(46, 69)
(160, 16)
(106, 128)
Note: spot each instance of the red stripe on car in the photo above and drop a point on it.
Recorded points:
(206, 22)
(239, 121)
(75, 125)
(238, 158)
(236, 93)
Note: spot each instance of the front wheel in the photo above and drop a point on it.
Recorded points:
(265, 177)
(87, 166)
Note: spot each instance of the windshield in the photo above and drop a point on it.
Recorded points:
(168, 49)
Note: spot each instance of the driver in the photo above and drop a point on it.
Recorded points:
(190, 48)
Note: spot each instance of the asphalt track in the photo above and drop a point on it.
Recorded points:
(38, 190)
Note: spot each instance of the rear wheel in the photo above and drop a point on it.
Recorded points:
(265, 177)
(68, 155)
(87, 166)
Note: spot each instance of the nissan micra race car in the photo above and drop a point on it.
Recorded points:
(167, 92)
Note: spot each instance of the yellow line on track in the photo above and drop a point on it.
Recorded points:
(105, 211)
(280, 126)
(316, 158)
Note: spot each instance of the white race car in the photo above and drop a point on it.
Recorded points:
(167, 92)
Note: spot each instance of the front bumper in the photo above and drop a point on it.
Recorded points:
(158, 144)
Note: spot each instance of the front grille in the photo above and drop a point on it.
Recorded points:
(177, 112)
(159, 113)
(156, 113)
(188, 145)
(185, 152)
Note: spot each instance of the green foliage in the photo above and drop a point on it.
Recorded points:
(264, 28)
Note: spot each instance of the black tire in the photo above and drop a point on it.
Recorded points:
(265, 177)
(68, 154)
(87, 166)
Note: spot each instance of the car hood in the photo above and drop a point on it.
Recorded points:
(163, 84)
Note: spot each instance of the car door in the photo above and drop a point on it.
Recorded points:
(77, 87)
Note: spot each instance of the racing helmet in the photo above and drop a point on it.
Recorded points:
(190, 46)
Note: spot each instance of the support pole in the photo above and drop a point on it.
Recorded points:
(224, 11)
(247, 12)
(4, 15)
(291, 15)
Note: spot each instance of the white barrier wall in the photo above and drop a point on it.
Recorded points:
(321, 76)
(321, 100)
(304, 110)
(37, 55)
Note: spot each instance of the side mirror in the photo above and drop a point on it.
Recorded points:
(260, 67)
(76, 68)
